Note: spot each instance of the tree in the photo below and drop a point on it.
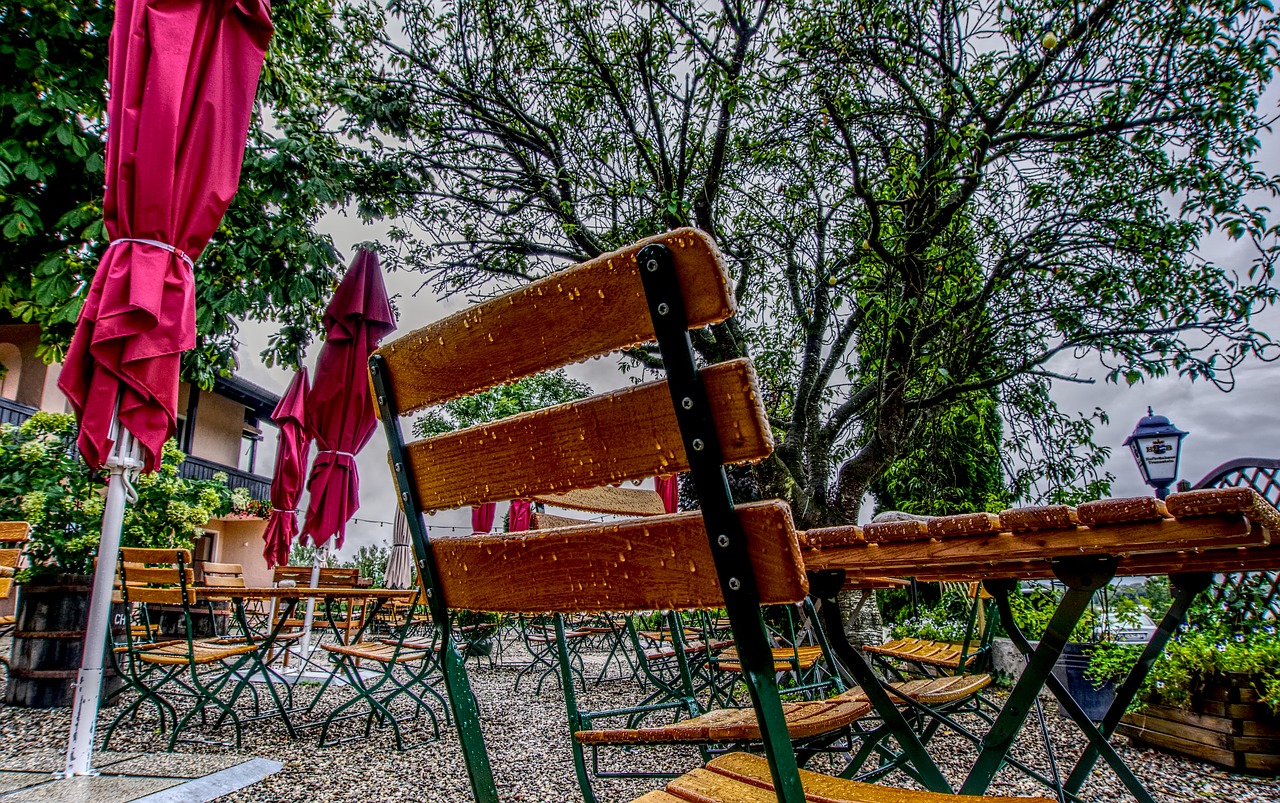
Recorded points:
(371, 560)
(922, 203)
(530, 393)
(267, 261)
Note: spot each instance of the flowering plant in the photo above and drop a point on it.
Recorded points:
(44, 482)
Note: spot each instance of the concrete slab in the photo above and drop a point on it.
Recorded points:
(13, 781)
(99, 789)
(216, 785)
(171, 765)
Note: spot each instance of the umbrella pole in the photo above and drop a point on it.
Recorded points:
(322, 552)
(122, 464)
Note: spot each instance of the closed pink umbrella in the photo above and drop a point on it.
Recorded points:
(340, 411)
(291, 469)
(518, 515)
(482, 517)
(668, 487)
(182, 77)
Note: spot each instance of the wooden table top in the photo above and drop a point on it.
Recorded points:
(272, 592)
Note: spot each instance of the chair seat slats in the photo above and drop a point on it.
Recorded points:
(663, 562)
(597, 307)
(627, 434)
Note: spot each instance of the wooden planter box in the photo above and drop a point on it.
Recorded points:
(1226, 726)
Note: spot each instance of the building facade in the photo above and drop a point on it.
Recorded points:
(221, 430)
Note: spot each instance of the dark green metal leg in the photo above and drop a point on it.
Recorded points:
(930, 776)
(1082, 576)
(1185, 589)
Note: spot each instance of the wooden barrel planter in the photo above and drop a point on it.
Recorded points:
(48, 642)
(1226, 725)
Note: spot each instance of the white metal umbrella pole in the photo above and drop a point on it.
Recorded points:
(322, 553)
(123, 465)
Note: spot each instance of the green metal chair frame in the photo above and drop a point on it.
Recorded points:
(199, 669)
(661, 275)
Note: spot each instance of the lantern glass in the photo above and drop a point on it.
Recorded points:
(1158, 458)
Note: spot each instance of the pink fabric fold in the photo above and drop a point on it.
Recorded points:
(340, 409)
(183, 75)
(668, 487)
(482, 517)
(518, 517)
(291, 470)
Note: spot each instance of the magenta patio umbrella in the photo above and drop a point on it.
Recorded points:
(182, 76)
(668, 487)
(482, 517)
(291, 470)
(340, 412)
(518, 515)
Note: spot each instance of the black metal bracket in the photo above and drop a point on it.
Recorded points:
(728, 541)
(701, 442)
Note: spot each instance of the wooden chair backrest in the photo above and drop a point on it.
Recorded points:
(693, 420)
(222, 575)
(330, 577)
(157, 576)
(14, 532)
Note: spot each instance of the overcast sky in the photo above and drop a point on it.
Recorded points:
(1223, 426)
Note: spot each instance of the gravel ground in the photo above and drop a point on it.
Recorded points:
(527, 737)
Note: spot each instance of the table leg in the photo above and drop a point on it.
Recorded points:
(1185, 589)
(1082, 577)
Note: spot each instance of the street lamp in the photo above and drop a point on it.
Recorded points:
(1155, 445)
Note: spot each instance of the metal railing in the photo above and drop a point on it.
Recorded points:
(197, 468)
(12, 412)
(1262, 589)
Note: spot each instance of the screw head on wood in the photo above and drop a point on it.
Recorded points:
(735, 584)
(663, 309)
(651, 265)
(698, 444)
(723, 540)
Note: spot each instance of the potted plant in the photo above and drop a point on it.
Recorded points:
(1214, 694)
(48, 485)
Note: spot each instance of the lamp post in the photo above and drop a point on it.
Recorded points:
(1155, 444)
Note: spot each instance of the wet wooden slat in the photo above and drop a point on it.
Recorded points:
(1030, 519)
(908, 530)
(1208, 501)
(583, 311)
(935, 556)
(1120, 511)
(12, 532)
(628, 434)
(663, 562)
(964, 524)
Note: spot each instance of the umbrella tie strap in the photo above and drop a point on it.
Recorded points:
(282, 510)
(178, 252)
(337, 452)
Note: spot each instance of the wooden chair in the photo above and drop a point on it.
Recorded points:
(738, 557)
(198, 671)
(348, 621)
(13, 537)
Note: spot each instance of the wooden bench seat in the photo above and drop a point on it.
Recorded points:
(380, 651)
(804, 719)
(744, 778)
(785, 659)
(933, 653)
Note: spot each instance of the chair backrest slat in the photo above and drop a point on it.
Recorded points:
(14, 532)
(222, 575)
(589, 309)
(155, 556)
(628, 434)
(330, 577)
(643, 564)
